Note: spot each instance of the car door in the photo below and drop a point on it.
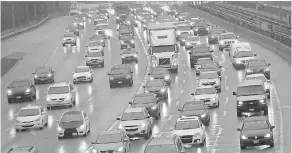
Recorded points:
(86, 120)
(32, 87)
(72, 91)
(148, 120)
(44, 115)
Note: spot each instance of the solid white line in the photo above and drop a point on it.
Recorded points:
(177, 103)
(181, 91)
(184, 81)
(48, 62)
(224, 113)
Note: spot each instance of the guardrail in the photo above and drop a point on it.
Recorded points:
(243, 21)
(24, 29)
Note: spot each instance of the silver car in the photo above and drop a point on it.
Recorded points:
(208, 94)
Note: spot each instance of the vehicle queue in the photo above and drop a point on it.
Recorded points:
(252, 94)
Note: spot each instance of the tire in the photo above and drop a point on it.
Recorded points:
(269, 96)
(71, 105)
(238, 114)
(272, 144)
(203, 143)
(17, 130)
(266, 111)
(131, 83)
(123, 62)
(148, 135)
(63, 45)
(42, 127)
(136, 61)
(60, 137)
(46, 123)
(102, 65)
(111, 86)
(192, 65)
(74, 82)
(242, 147)
(31, 98)
(91, 80)
(86, 64)
(9, 100)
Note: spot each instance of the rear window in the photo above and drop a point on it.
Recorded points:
(68, 35)
(250, 90)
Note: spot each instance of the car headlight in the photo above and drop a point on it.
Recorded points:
(60, 129)
(243, 137)
(197, 134)
(132, 41)
(94, 151)
(221, 42)
(67, 97)
(9, 92)
(237, 61)
(167, 77)
(163, 90)
(248, 71)
(82, 127)
(217, 82)
(143, 125)
(128, 77)
(213, 99)
(212, 36)
(151, 78)
(267, 86)
(123, 56)
(128, 22)
(111, 78)
(196, 29)
(49, 75)
(17, 121)
(183, 40)
(268, 135)
(154, 107)
(174, 63)
(120, 149)
(188, 43)
(122, 42)
(203, 115)
(118, 17)
(75, 24)
(121, 127)
(267, 69)
(262, 101)
(240, 103)
(49, 99)
(27, 90)
(36, 75)
(135, 55)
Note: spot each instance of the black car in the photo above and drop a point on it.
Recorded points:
(214, 35)
(195, 108)
(21, 89)
(258, 66)
(256, 131)
(44, 74)
(127, 39)
(73, 29)
(158, 87)
(182, 38)
(160, 73)
(149, 101)
(120, 75)
(200, 51)
(201, 29)
(129, 55)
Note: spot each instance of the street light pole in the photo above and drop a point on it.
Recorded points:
(257, 13)
(280, 17)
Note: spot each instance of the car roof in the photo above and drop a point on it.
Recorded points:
(22, 149)
(227, 33)
(196, 118)
(31, 107)
(73, 112)
(255, 118)
(60, 84)
(132, 110)
(251, 82)
(255, 75)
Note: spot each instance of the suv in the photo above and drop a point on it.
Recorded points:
(201, 29)
(24, 149)
(21, 89)
(200, 51)
(69, 38)
(251, 97)
(208, 94)
(165, 144)
(120, 75)
(61, 94)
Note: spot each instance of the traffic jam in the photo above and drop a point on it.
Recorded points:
(173, 40)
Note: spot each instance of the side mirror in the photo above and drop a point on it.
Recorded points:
(130, 103)
(132, 72)
(269, 64)
(33, 73)
(8, 87)
(192, 94)
(118, 118)
(137, 52)
(148, 73)
(85, 55)
(234, 93)
(143, 86)
(238, 129)
(220, 66)
(108, 73)
(255, 54)
(190, 52)
(179, 109)
(237, 36)
(272, 127)
(148, 116)
(87, 46)
(43, 113)
(211, 51)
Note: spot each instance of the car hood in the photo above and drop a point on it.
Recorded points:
(244, 58)
(57, 96)
(27, 118)
(257, 69)
(252, 97)
(68, 38)
(68, 125)
(186, 132)
(158, 75)
(216, 35)
(205, 96)
(192, 113)
(81, 74)
(95, 47)
(251, 133)
(42, 74)
(192, 42)
(132, 122)
(131, 54)
(108, 146)
(228, 40)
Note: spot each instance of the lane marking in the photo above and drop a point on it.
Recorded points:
(177, 103)
(48, 62)
(224, 113)
(181, 91)
(184, 81)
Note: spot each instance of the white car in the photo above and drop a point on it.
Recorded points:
(82, 74)
(190, 130)
(240, 58)
(94, 59)
(210, 78)
(239, 46)
(208, 94)
(136, 122)
(267, 83)
(192, 41)
(69, 39)
(96, 46)
(102, 29)
(72, 123)
(181, 28)
(31, 117)
(61, 94)
(226, 39)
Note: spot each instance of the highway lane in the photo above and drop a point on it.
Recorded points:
(96, 99)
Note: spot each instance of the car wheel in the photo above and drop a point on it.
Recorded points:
(91, 80)
(89, 128)
(266, 111)
(31, 98)
(42, 127)
(272, 144)
(46, 124)
(60, 137)
(131, 83)
(64, 45)
(148, 135)
(74, 82)
(269, 96)
(71, 105)
(111, 86)
(238, 114)
(123, 62)
(9, 100)
(17, 130)
(242, 147)
(203, 142)
(136, 61)
(102, 65)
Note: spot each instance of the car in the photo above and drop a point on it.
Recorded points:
(115, 141)
(102, 29)
(96, 46)
(214, 35)
(120, 18)
(158, 87)
(226, 39)
(212, 66)
(73, 29)
(31, 117)
(165, 144)
(24, 149)
(94, 59)
(44, 74)
(181, 28)
(192, 109)
(200, 51)
(61, 94)
(210, 78)
(160, 73)
(240, 58)
(256, 131)
(100, 20)
(104, 12)
(258, 66)
(208, 94)
(81, 124)
(78, 23)
(251, 97)
(127, 40)
(192, 41)
(148, 101)
(200, 62)
(98, 38)
(21, 89)
(182, 38)
(201, 29)
(69, 38)
(190, 130)
(120, 75)
(129, 55)
(136, 122)
(82, 74)
(267, 83)
(239, 46)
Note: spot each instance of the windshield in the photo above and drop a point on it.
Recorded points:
(250, 90)
(19, 84)
(204, 61)
(128, 51)
(94, 54)
(243, 54)
(202, 91)
(95, 37)
(59, 90)
(184, 34)
(255, 125)
(101, 27)
(190, 107)
(72, 117)
(193, 39)
(68, 35)
(228, 36)
(82, 69)
(143, 100)
(119, 71)
(95, 43)
(209, 66)
(43, 70)
(154, 83)
(161, 49)
(166, 148)
(133, 116)
(109, 138)
(159, 71)
(257, 63)
(261, 77)
(184, 28)
(209, 75)
(187, 124)
(28, 112)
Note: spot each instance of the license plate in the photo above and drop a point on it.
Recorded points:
(74, 133)
(120, 82)
(18, 97)
(256, 141)
(252, 109)
(227, 49)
